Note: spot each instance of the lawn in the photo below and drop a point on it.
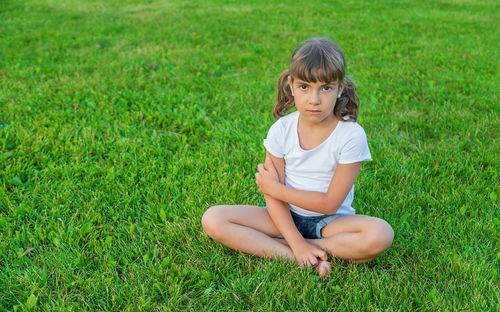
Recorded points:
(121, 122)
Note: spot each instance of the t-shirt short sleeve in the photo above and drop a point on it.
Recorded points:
(274, 142)
(355, 148)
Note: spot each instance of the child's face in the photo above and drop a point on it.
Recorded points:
(315, 100)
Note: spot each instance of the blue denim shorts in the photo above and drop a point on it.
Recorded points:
(310, 227)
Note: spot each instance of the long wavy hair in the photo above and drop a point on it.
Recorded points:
(318, 60)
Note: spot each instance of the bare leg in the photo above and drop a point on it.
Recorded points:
(245, 228)
(355, 238)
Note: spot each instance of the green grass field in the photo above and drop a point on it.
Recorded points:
(121, 122)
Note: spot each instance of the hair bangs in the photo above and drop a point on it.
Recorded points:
(315, 65)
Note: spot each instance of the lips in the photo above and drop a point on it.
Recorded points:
(314, 112)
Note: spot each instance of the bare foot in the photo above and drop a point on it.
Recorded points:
(323, 269)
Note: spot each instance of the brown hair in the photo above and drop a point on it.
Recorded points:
(318, 59)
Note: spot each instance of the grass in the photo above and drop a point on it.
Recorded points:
(122, 121)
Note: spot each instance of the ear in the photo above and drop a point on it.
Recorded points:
(290, 83)
(341, 87)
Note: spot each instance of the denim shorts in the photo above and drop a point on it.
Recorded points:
(310, 226)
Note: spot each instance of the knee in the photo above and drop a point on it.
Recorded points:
(378, 237)
(212, 220)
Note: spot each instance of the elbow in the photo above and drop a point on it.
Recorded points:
(329, 206)
(332, 210)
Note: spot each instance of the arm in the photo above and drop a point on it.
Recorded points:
(327, 203)
(278, 210)
(305, 253)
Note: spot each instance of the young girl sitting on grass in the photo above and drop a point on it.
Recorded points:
(313, 158)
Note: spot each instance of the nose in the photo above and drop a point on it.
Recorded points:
(314, 99)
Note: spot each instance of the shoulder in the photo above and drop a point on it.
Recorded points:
(286, 122)
(353, 143)
(278, 137)
(289, 119)
(350, 129)
(351, 132)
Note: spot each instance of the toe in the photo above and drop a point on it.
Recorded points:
(324, 269)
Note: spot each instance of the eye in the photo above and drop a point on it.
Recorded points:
(303, 87)
(327, 88)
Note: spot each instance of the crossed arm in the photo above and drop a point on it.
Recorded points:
(271, 178)
(326, 203)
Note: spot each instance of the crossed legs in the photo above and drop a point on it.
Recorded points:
(245, 228)
(355, 238)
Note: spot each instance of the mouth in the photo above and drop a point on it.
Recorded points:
(314, 112)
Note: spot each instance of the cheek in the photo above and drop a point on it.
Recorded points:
(299, 98)
(329, 98)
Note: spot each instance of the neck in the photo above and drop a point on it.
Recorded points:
(328, 124)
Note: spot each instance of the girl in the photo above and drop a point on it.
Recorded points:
(313, 158)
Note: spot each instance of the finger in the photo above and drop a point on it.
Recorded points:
(261, 167)
(313, 261)
(323, 256)
(268, 162)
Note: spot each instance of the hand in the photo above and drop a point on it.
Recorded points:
(308, 255)
(267, 177)
(270, 167)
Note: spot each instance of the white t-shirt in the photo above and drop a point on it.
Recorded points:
(312, 170)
